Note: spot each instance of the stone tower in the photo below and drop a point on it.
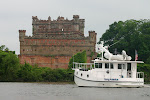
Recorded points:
(53, 42)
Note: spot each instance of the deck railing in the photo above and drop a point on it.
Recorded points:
(84, 66)
(140, 75)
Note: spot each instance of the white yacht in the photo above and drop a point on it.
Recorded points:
(109, 71)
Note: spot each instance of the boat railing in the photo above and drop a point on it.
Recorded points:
(140, 75)
(83, 66)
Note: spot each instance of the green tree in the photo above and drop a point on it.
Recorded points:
(79, 57)
(30, 73)
(130, 35)
(2, 47)
(9, 65)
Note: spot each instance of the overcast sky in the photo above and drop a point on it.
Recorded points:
(98, 15)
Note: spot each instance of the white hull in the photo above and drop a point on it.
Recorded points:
(109, 71)
(82, 82)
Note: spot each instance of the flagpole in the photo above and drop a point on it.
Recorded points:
(136, 55)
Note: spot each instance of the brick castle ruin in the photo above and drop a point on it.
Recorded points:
(53, 42)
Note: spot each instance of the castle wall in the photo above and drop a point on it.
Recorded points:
(55, 47)
(54, 42)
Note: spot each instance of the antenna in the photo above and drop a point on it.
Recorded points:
(117, 41)
(73, 61)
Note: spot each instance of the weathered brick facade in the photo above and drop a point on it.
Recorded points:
(53, 42)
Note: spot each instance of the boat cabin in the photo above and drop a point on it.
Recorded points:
(117, 69)
(111, 69)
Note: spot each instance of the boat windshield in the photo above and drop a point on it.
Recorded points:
(98, 65)
(106, 65)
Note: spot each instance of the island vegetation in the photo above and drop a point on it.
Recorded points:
(11, 70)
(129, 35)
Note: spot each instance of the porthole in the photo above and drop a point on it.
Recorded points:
(87, 76)
(81, 74)
(107, 71)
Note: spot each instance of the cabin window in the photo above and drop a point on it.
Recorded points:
(106, 65)
(111, 66)
(98, 65)
(119, 66)
(129, 67)
(124, 67)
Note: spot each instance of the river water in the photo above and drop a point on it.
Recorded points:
(47, 91)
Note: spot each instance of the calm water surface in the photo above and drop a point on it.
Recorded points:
(46, 91)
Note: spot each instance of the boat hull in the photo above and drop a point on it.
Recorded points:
(90, 83)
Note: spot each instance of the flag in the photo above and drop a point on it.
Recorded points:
(136, 55)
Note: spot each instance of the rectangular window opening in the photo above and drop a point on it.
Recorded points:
(98, 65)
(119, 66)
(111, 66)
(123, 65)
(106, 65)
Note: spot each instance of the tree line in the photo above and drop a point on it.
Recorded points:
(12, 70)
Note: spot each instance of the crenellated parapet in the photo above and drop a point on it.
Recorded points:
(60, 18)
(22, 31)
(92, 36)
(76, 16)
(22, 34)
(56, 36)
